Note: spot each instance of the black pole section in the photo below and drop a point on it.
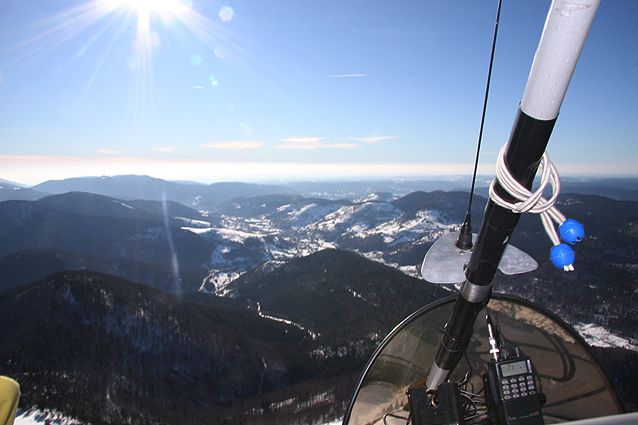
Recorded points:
(464, 241)
(527, 143)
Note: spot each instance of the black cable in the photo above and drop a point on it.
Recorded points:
(464, 240)
(391, 415)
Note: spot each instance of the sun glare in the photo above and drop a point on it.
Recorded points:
(159, 7)
(133, 30)
(167, 10)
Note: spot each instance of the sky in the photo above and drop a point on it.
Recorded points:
(279, 90)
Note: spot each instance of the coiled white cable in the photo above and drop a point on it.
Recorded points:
(533, 202)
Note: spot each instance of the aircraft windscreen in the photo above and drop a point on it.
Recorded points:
(570, 377)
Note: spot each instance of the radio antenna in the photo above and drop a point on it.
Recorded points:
(464, 240)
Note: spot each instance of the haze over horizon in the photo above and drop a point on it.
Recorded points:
(218, 91)
(482, 179)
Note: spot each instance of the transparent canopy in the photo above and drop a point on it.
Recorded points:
(570, 377)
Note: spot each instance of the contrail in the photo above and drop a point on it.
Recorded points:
(345, 76)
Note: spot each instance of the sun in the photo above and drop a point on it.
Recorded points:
(143, 10)
(167, 10)
(160, 7)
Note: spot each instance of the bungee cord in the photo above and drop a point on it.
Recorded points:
(569, 230)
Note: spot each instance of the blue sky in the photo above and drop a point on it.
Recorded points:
(288, 90)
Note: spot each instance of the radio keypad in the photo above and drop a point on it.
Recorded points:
(518, 386)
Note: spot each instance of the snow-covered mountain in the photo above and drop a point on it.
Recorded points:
(270, 230)
(189, 250)
(277, 228)
(262, 253)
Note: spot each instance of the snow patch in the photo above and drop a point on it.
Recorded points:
(232, 235)
(197, 230)
(279, 405)
(297, 213)
(310, 214)
(413, 271)
(598, 336)
(312, 334)
(189, 222)
(237, 235)
(123, 204)
(217, 281)
(356, 294)
(37, 417)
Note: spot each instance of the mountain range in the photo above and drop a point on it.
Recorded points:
(286, 348)
(81, 228)
(103, 349)
(204, 196)
(176, 248)
(309, 285)
(13, 191)
(149, 188)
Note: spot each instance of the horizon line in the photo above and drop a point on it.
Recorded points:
(324, 179)
(30, 170)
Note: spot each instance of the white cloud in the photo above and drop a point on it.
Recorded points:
(303, 139)
(167, 149)
(238, 145)
(371, 139)
(311, 143)
(357, 75)
(106, 151)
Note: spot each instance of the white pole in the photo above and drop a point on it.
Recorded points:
(566, 28)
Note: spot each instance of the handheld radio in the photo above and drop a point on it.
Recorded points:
(512, 386)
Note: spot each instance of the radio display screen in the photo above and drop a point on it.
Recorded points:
(515, 368)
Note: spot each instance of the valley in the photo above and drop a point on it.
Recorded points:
(264, 308)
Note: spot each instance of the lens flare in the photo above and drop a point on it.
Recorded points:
(226, 13)
(196, 60)
(132, 34)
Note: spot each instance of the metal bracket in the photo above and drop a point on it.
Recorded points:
(444, 263)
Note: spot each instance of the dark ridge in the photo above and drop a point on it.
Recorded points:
(339, 294)
(29, 265)
(451, 205)
(103, 349)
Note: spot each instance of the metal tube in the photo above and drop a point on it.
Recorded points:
(566, 29)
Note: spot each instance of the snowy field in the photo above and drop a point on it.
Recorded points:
(38, 417)
(598, 336)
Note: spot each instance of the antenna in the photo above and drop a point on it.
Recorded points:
(464, 240)
(558, 51)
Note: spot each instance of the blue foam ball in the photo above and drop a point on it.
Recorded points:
(562, 255)
(571, 231)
